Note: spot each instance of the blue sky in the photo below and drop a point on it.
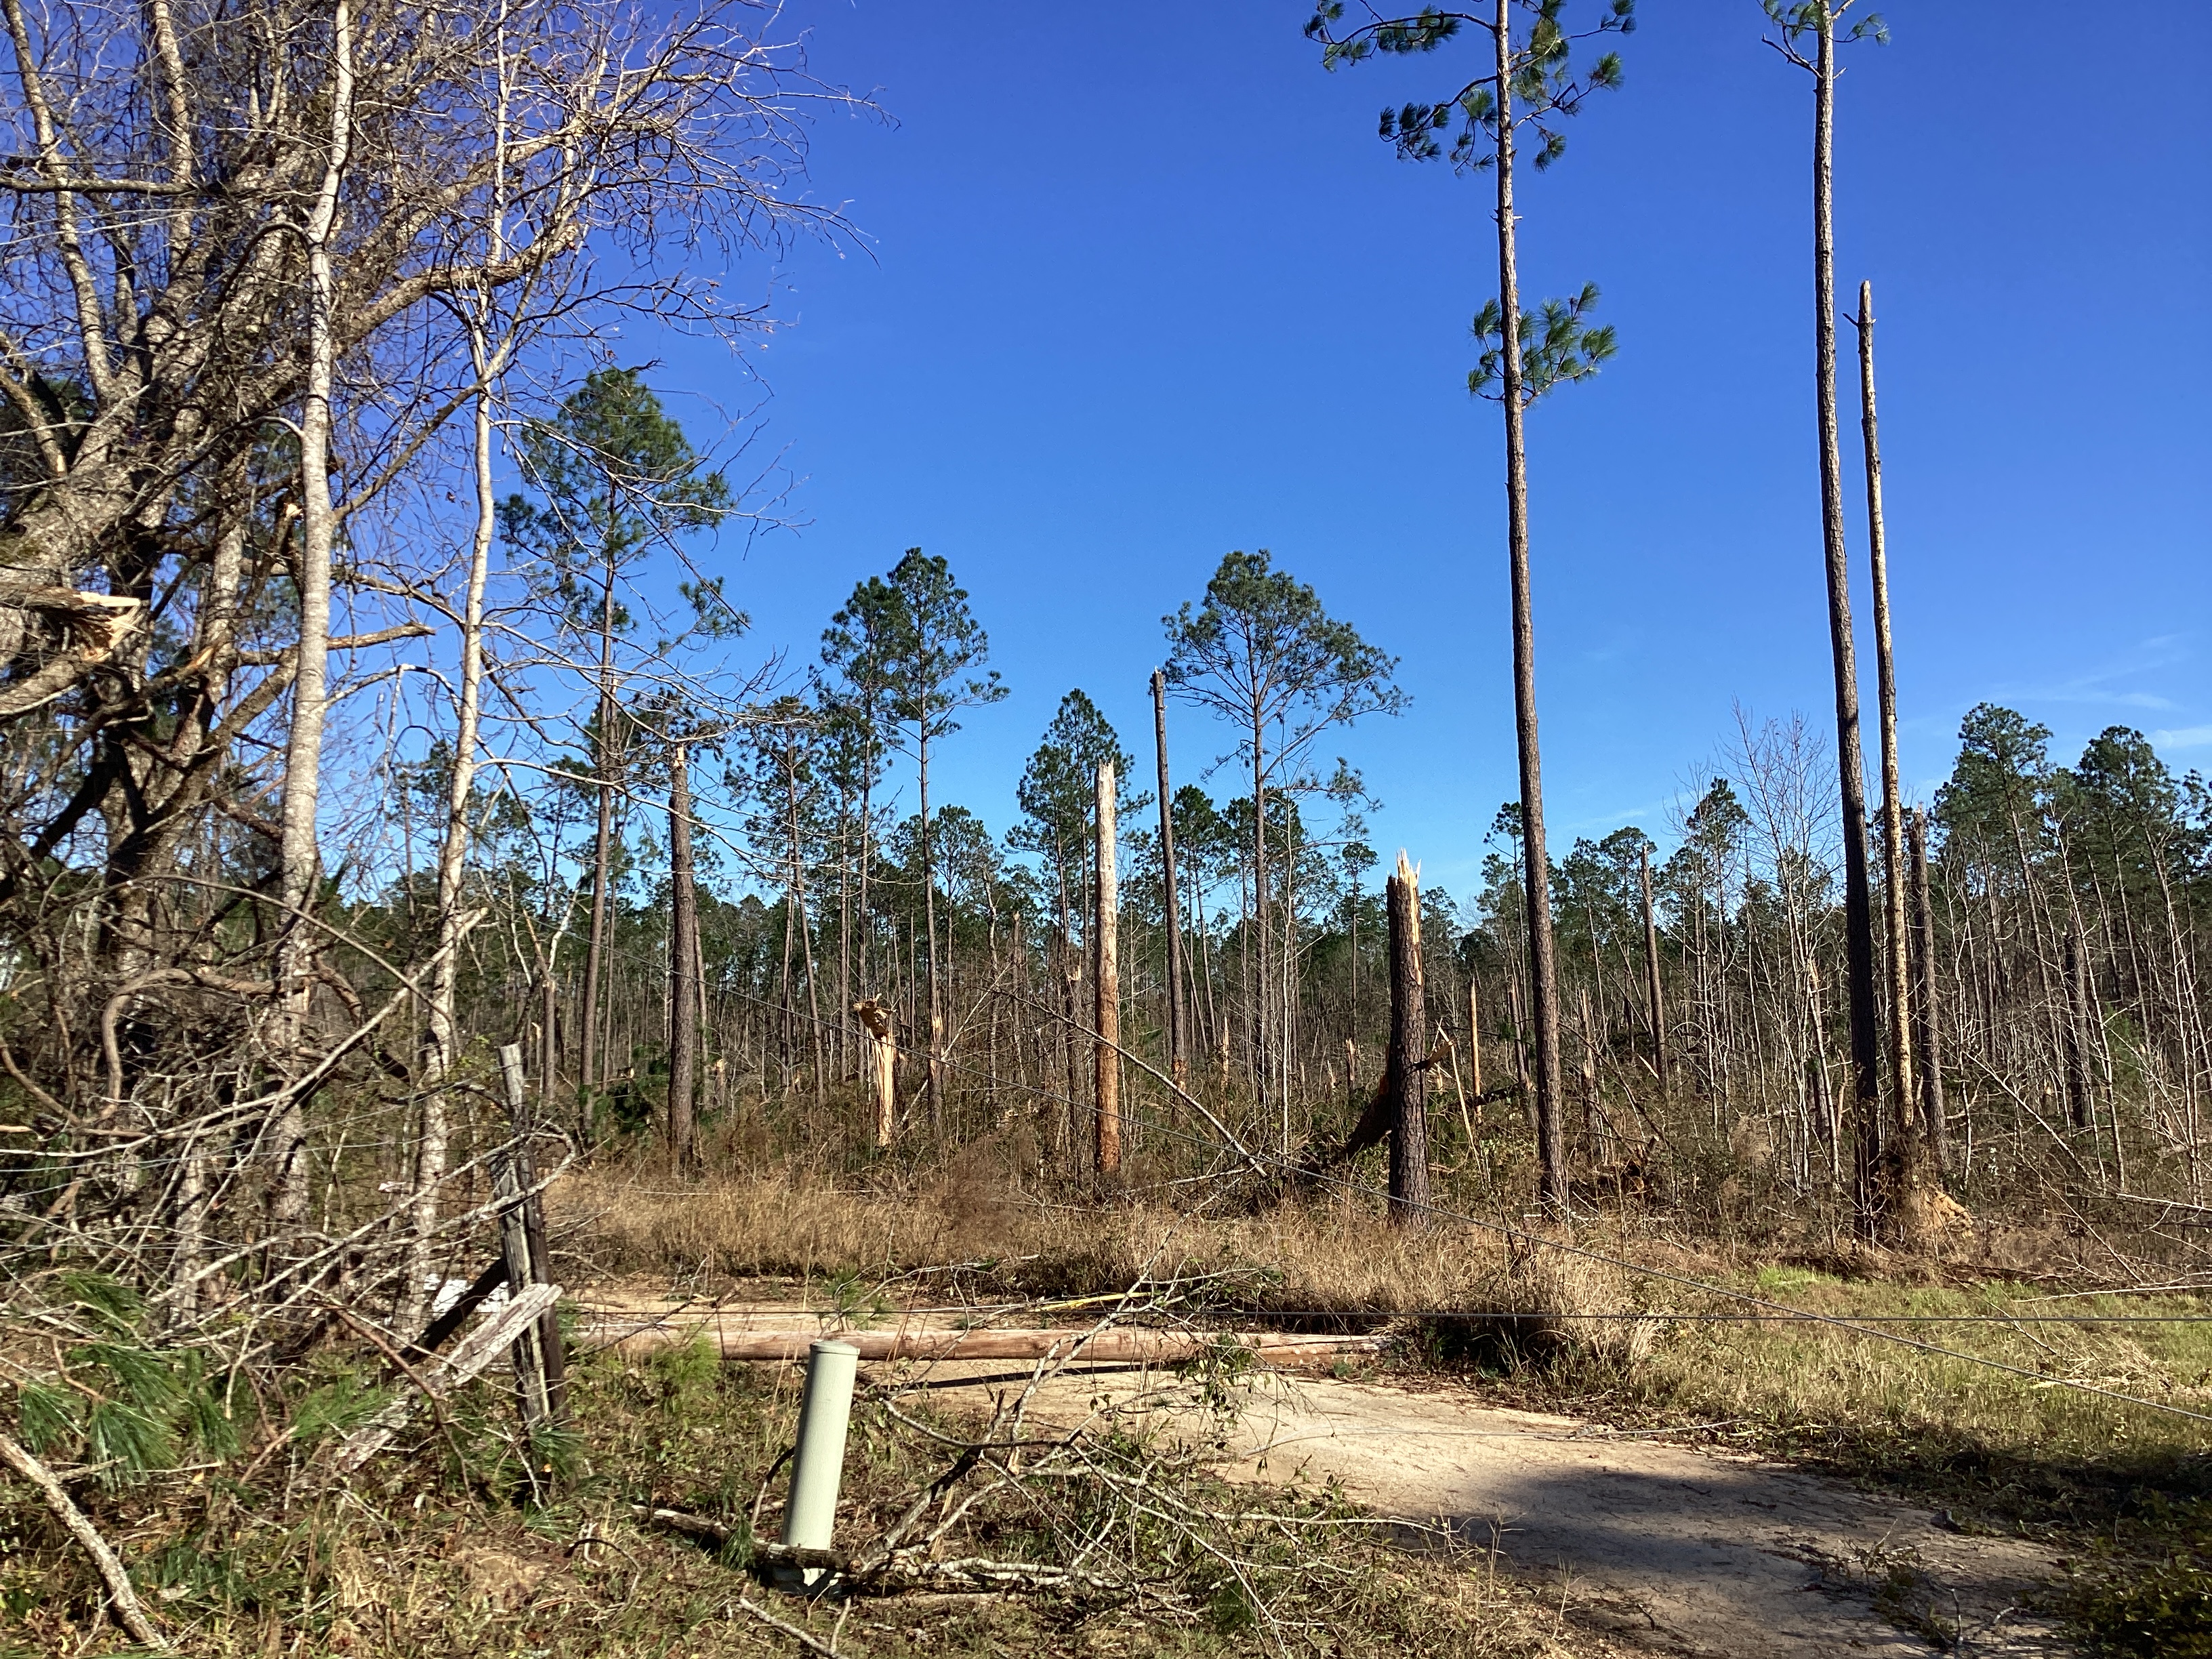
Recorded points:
(1138, 289)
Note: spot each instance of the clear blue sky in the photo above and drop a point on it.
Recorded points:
(1139, 289)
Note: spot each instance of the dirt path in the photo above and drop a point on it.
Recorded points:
(1663, 1548)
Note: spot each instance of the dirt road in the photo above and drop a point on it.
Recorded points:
(1663, 1548)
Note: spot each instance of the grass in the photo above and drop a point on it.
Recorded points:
(466, 1547)
(2125, 1492)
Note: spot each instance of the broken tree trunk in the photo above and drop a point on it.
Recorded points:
(1926, 1009)
(1106, 984)
(1178, 1057)
(683, 969)
(1904, 1142)
(880, 1062)
(1408, 1062)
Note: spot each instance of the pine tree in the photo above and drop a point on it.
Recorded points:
(1531, 83)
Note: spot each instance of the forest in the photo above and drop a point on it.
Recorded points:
(403, 812)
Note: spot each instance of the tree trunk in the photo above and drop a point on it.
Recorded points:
(1257, 984)
(609, 749)
(1851, 769)
(1178, 1058)
(1106, 986)
(1543, 968)
(1927, 1012)
(1906, 1131)
(929, 954)
(299, 853)
(444, 1057)
(683, 966)
(1408, 1068)
(1655, 1006)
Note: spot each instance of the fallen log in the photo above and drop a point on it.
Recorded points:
(1116, 1346)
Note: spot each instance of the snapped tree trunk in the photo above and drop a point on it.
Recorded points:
(683, 966)
(1905, 1137)
(1407, 1069)
(1106, 985)
(1178, 1058)
(1850, 767)
(1926, 1009)
(1543, 967)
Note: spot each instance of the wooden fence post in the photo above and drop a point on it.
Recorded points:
(1106, 985)
(1407, 1070)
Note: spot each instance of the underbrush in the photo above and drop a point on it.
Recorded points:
(467, 1542)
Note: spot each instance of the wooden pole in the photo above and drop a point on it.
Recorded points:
(1407, 1070)
(1904, 1141)
(1655, 1006)
(1178, 1056)
(1106, 985)
(1925, 1008)
(683, 967)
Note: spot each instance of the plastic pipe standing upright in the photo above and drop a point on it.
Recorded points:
(817, 1471)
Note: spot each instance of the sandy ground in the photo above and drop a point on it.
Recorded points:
(1663, 1548)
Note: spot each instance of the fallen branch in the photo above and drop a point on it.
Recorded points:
(805, 1639)
(133, 1617)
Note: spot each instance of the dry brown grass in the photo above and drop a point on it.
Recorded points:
(1320, 1254)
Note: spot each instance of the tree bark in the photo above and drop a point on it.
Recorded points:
(1905, 1137)
(435, 1129)
(683, 967)
(1178, 1058)
(608, 758)
(1543, 967)
(1850, 768)
(299, 853)
(1407, 1068)
(1106, 986)
(929, 922)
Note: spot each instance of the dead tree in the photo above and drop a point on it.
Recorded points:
(1106, 986)
(1903, 1141)
(683, 965)
(1408, 1061)
(1927, 1008)
(1178, 1060)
